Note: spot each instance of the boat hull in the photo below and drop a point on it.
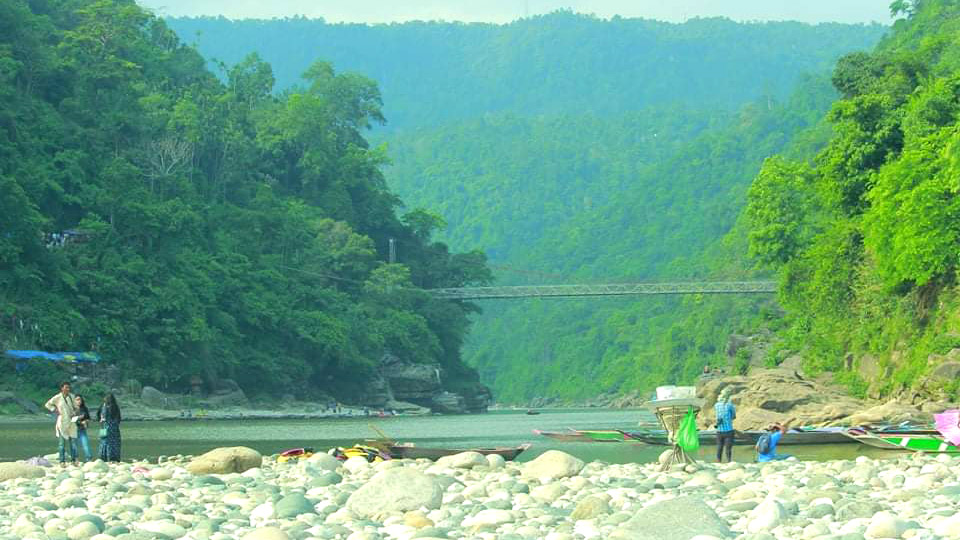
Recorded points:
(401, 451)
(749, 438)
(926, 442)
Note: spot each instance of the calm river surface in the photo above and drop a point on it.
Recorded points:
(147, 440)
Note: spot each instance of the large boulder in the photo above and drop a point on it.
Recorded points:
(770, 395)
(376, 392)
(396, 490)
(9, 471)
(234, 459)
(405, 407)
(553, 464)
(152, 397)
(891, 412)
(477, 398)
(27, 406)
(235, 398)
(463, 460)
(677, 519)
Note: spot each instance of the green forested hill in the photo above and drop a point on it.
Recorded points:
(432, 73)
(576, 200)
(579, 150)
(182, 226)
(864, 234)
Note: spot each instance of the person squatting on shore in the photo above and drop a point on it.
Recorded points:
(64, 404)
(725, 412)
(83, 420)
(109, 417)
(776, 432)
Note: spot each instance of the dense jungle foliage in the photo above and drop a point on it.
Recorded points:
(577, 150)
(864, 233)
(183, 225)
(435, 73)
(646, 197)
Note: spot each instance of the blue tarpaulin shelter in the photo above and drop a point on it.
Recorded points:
(70, 357)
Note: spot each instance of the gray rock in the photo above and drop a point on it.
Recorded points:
(589, 508)
(73, 502)
(235, 459)
(328, 478)
(153, 397)
(396, 490)
(292, 506)
(857, 509)
(9, 471)
(677, 519)
(553, 464)
(820, 510)
(740, 506)
(448, 403)
(96, 520)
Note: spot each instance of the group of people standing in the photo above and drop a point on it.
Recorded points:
(73, 419)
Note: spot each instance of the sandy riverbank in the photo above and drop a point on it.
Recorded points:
(555, 497)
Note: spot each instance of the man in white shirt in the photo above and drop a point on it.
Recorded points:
(64, 404)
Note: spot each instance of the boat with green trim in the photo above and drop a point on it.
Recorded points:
(929, 441)
(585, 435)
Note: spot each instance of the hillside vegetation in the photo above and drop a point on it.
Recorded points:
(571, 150)
(185, 226)
(864, 234)
(435, 73)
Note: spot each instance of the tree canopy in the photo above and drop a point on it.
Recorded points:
(181, 224)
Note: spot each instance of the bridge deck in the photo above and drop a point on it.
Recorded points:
(616, 289)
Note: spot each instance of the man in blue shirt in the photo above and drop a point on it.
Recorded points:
(725, 412)
(776, 432)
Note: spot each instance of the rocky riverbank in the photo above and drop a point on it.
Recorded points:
(234, 493)
(769, 395)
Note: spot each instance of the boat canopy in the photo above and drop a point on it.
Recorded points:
(69, 357)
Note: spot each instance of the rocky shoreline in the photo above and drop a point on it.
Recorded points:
(236, 493)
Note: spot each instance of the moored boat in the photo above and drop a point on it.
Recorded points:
(585, 435)
(566, 436)
(744, 438)
(412, 451)
(913, 440)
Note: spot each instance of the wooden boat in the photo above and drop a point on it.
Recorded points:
(745, 438)
(566, 436)
(917, 441)
(411, 451)
(585, 435)
(532, 412)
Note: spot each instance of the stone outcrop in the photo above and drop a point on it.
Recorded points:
(775, 395)
(448, 403)
(27, 406)
(410, 382)
(770, 395)
(398, 384)
(234, 398)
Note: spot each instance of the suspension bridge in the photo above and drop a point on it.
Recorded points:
(614, 289)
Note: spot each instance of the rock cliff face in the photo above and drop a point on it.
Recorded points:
(404, 383)
(772, 395)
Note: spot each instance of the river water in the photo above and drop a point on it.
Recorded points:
(147, 440)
